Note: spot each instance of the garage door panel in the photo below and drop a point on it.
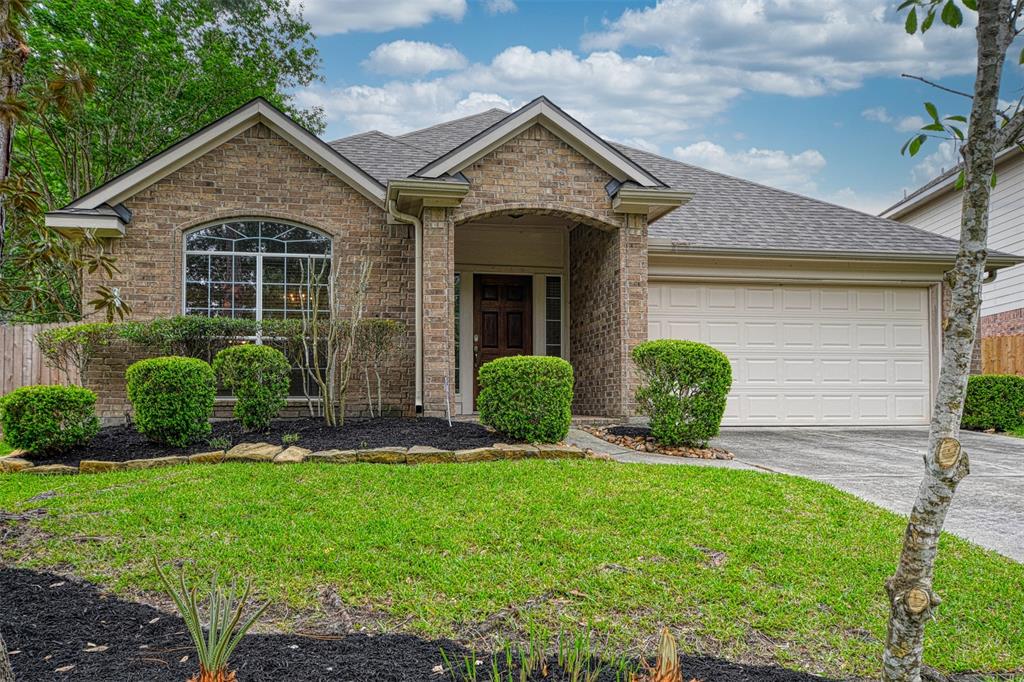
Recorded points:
(808, 354)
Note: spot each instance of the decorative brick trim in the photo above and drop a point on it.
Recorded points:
(575, 214)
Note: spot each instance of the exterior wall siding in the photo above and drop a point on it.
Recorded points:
(258, 174)
(1006, 232)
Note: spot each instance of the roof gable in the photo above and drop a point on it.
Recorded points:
(541, 111)
(257, 111)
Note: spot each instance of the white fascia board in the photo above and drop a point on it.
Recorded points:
(70, 225)
(581, 139)
(194, 146)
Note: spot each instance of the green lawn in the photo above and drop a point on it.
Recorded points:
(5, 449)
(620, 548)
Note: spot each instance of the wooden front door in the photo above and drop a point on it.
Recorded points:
(502, 319)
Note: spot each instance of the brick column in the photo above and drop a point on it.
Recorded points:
(608, 300)
(438, 310)
(632, 284)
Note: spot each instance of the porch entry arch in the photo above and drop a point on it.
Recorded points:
(572, 215)
(254, 268)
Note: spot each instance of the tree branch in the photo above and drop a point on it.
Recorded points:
(936, 85)
(1011, 131)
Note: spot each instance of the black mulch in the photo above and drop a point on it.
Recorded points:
(53, 622)
(637, 431)
(120, 443)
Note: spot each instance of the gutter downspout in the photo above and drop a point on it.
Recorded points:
(990, 276)
(417, 224)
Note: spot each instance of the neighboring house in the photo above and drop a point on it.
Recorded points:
(936, 207)
(508, 233)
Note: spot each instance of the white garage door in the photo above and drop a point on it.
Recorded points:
(826, 355)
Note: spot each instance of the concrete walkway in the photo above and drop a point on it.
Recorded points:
(880, 465)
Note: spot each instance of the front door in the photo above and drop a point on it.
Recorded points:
(502, 319)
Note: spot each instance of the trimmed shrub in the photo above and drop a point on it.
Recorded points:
(173, 398)
(685, 384)
(48, 418)
(258, 377)
(527, 398)
(994, 401)
(70, 349)
(193, 336)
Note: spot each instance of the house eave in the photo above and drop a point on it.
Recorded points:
(653, 203)
(412, 194)
(75, 224)
(668, 247)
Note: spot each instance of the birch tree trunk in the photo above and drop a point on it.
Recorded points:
(911, 596)
(6, 671)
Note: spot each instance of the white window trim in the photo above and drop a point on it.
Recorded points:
(258, 255)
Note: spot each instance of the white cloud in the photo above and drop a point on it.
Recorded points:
(944, 157)
(792, 47)
(649, 98)
(500, 6)
(903, 125)
(410, 57)
(773, 167)
(877, 114)
(328, 17)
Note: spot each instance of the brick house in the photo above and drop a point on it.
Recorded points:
(525, 233)
(936, 206)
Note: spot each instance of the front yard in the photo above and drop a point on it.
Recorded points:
(746, 566)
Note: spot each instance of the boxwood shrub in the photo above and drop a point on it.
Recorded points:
(173, 398)
(684, 387)
(994, 401)
(527, 398)
(48, 418)
(258, 377)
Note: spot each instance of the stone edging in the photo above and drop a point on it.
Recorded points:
(648, 444)
(277, 454)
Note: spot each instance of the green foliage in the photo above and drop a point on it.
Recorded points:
(173, 398)
(193, 336)
(994, 401)
(48, 418)
(684, 390)
(73, 347)
(224, 626)
(258, 377)
(527, 397)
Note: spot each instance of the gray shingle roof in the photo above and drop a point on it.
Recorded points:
(731, 213)
(725, 214)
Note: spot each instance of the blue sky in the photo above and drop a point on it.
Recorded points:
(801, 94)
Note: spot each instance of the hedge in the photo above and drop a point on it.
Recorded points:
(258, 377)
(48, 418)
(994, 401)
(527, 398)
(173, 398)
(684, 389)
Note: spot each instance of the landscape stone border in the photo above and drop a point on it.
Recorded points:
(269, 453)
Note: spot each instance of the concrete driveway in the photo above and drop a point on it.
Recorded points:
(885, 466)
(881, 465)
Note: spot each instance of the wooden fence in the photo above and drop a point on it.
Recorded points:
(1002, 355)
(21, 363)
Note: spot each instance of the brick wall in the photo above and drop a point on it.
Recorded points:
(438, 311)
(257, 174)
(1007, 323)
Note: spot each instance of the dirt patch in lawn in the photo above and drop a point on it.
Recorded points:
(124, 442)
(61, 629)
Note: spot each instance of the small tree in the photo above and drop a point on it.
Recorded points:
(329, 334)
(376, 341)
(71, 349)
(911, 598)
(6, 672)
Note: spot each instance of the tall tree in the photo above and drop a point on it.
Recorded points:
(912, 598)
(112, 82)
(13, 55)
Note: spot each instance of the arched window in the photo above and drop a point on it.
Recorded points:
(255, 269)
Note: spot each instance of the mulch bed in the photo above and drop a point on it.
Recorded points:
(56, 623)
(639, 438)
(124, 442)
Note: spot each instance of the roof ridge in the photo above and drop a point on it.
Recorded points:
(761, 185)
(454, 120)
(373, 131)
